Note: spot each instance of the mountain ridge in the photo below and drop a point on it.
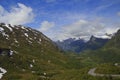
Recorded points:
(109, 53)
(32, 53)
(80, 45)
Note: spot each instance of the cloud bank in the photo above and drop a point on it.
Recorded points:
(16, 15)
(84, 29)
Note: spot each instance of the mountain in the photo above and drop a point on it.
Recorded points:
(25, 51)
(114, 42)
(109, 53)
(65, 44)
(70, 44)
(27, 54)
(95, 43)
(79, 45)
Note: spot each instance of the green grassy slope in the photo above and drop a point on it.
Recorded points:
(36, 57)
(109, 53)
(105, 58)
(29, 47)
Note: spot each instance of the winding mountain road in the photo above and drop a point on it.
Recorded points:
(92, 73)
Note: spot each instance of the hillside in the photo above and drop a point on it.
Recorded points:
(109, 53)
(115, 41)
(25, 51)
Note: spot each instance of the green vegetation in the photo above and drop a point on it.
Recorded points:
(37, 58)
(108, 69)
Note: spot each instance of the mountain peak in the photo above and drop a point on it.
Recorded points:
(118, 32)
(92, 38)
(18, 35)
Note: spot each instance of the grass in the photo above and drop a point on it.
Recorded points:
(108, 68)
(50, 63)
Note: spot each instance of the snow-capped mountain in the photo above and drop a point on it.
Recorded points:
(81, 45)
(18, 35)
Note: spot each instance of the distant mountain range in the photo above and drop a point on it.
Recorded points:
(79, 45)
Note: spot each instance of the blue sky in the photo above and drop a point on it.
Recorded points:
(62, 19)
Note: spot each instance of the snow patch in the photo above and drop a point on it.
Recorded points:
(11, 25)
(45, 73)
(26, 34)
(11, 52)
(33, 71)
(116, 64)
(4, 34)
(40, 40)
(23, 27)
(35, 38)
(30, 38)
(49, 61)
(3, 71)
(1, 29)
(23, 70)
(16, 41)
(30, 41)
(15, 52)
(33, 61)
(8, 27)
(31, 65)
(16, 27)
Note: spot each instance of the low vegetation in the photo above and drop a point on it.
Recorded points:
(44, 61)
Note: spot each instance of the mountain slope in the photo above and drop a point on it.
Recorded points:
(32, 53)
(27, 54)
(115, 41)
(110, 53)
(95, 43)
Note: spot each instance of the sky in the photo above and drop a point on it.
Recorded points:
(62, 19)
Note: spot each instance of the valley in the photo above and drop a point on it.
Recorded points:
(27, 52)
(59, 39)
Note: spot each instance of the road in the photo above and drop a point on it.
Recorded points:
(92, 73)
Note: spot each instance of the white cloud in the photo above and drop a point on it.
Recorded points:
(84, 29)
(17, 15)
(45, 26)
